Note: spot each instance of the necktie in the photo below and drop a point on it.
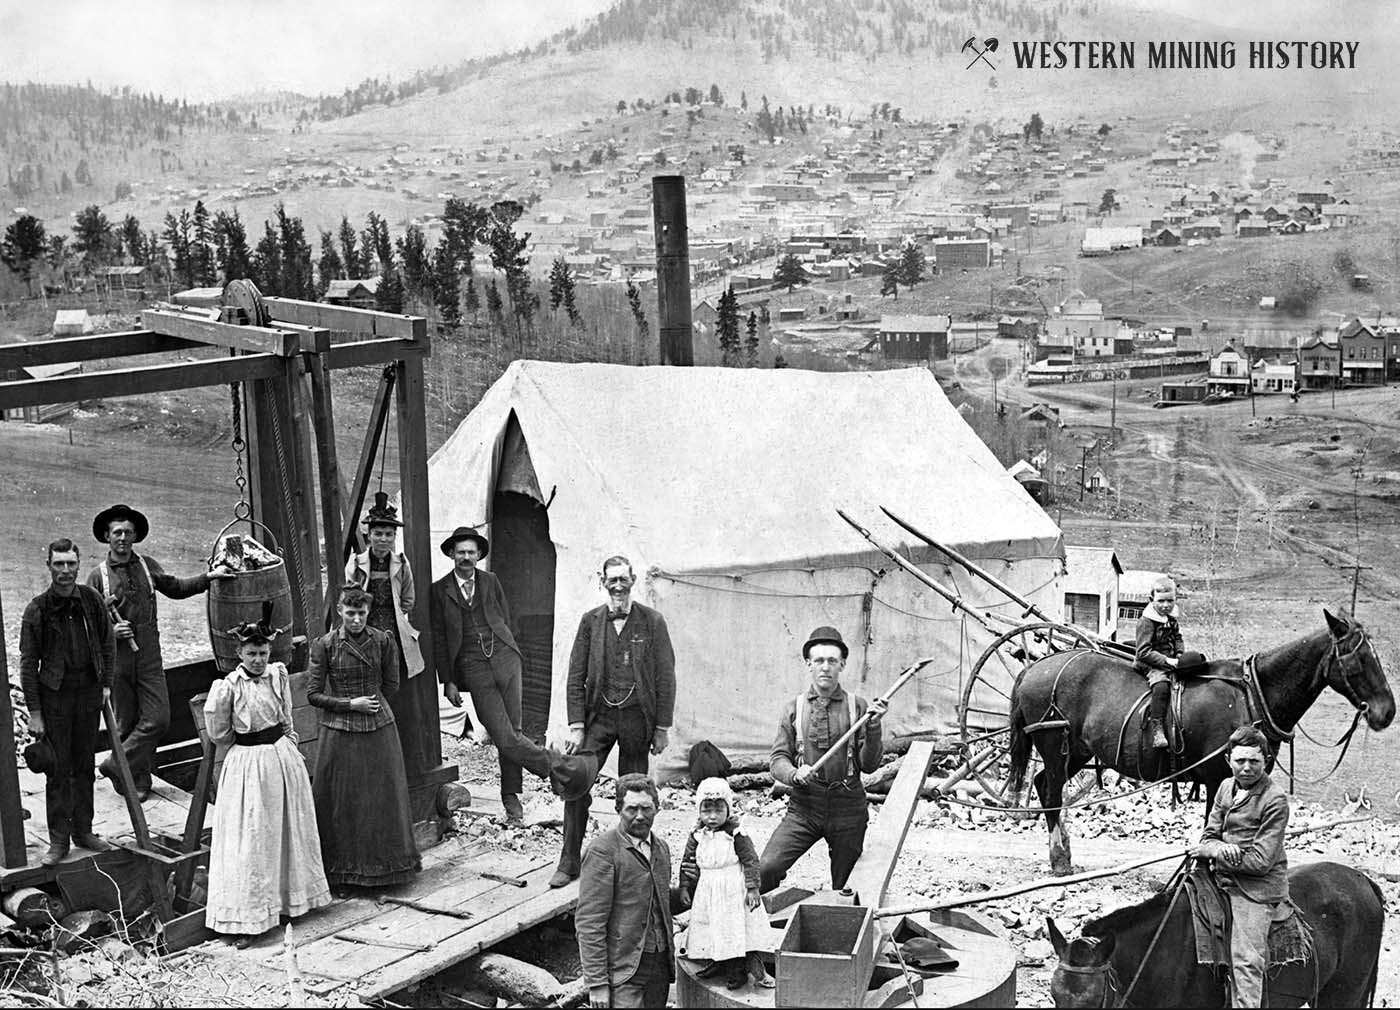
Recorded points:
(618, 615)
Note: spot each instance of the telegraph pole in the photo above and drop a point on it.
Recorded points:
(1083, 470)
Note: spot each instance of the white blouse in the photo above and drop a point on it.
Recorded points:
(242, 704)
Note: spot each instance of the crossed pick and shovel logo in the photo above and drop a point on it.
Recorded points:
(988, 46)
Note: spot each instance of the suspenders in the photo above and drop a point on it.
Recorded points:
(107, 579)
(800, 724)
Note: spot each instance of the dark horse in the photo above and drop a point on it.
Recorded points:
(1343, 907)
(1096, 693)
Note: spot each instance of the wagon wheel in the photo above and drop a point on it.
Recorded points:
(984, 712)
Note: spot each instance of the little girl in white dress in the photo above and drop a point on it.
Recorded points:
(719, 880)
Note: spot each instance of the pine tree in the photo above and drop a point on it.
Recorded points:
(24, 245)
(790, 272)
(571, 303)
(558, 279)
(728, 328)
(471, 299)
(420, 269)
(231, 246)
(493, 302)
(177, 240)
(390, 295)
(447, 285)
(330, 266)
(349, 254)
(911, 265)
(267, 262)
(134, 240)
(751, 341)
(889, 280)
(297, 277)
(202, 246)
(634, 302)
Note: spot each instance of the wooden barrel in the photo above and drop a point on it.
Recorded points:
(237, 600)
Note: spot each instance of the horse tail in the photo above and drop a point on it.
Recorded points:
(1020, 752)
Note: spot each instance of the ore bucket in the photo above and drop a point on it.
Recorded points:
(237, 600)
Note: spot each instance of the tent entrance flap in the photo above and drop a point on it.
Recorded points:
(523, 558)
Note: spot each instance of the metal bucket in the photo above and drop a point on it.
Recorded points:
(234, 601)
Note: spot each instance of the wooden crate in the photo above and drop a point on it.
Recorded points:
(826, 957)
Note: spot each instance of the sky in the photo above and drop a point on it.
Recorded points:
(203, 50)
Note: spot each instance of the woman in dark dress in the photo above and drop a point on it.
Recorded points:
(360, 788)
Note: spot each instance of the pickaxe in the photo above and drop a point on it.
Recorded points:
(991, 47)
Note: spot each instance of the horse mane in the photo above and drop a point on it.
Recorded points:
(1122, 918)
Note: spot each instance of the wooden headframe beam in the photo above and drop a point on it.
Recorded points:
(195, 324)
(336, 317)
(136, 381)
(871, 874)
(90, 348)
(364, 471)
(374, 352)
(332, 518)
(11, 803)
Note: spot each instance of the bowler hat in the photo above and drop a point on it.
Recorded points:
(39, 756)
(572, 776)
(465, 533)
(1188, 661)
(825, 636)
(112, 513)
(381, 513)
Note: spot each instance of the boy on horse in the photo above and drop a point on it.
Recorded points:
(1244, 840)
(1159, 648)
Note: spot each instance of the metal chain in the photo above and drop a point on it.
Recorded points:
(293, 524)
(243, 510)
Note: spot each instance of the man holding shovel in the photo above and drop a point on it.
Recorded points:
(828, 801)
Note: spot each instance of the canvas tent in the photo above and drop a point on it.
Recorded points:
(721, 485)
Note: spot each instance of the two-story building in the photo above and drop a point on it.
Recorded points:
(1091, 588)
(1229, 373)
(1319, 364)
(914, 338)
(1362, 349)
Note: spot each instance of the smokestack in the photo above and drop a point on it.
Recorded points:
(672, 269)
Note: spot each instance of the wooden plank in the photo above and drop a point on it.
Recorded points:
(199, 806)
(332, 518)
(871, 874)
(537, 907)
(303, 476)
(373, 352)
(364, 470)
(196, 324)
(136, 381)
(336, 317)
(164, 911)
(11, 804)
(90, 348)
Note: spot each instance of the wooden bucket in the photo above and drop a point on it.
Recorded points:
(234, 601)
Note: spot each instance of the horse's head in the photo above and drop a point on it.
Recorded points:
(1084, 976)
(1354, 672)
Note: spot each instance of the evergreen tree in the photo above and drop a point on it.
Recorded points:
(390, 295)
(889, 280)
(201, 246)
(92, 235)
(177, 240)
(465, 225)
(419, 267)
(779, 361)
(911, 265)
(267, 262)
(558, 277)
(751, 341)
(349, 253)
(24, 245)
(790, 272)
(378, 255)
(765, 122)
(297, 278)
(493, 302)
(571, 303)
(727, 328)
(447, 285)
(330, 265)
(509, 257)
(634, 302)
(134, 240)
(231, 246)
(471, 300)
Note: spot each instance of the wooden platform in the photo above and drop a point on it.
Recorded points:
(165, 814)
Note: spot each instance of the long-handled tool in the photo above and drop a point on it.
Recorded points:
(839, 746)
(421, 906)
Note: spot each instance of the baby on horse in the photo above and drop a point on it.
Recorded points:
(1161, 654)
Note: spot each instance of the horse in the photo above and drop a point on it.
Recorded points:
(1100, 968)
(1077, 707)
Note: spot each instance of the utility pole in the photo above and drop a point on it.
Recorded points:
(1083, 470)
(1113, 413)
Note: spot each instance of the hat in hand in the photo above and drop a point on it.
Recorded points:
(39, 756)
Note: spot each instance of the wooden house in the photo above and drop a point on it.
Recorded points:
(1362, 348)
(915, 338)
(354, 294)
(1319, 364)
(1090, 588)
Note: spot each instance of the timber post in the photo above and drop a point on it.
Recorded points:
(672, 269)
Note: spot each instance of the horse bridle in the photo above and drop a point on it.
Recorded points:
(1339, 659)
(1105, 973)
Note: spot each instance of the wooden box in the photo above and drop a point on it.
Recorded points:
(826, 957)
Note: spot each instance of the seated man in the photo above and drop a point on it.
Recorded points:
(1244, 841)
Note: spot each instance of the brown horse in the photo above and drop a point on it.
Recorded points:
(1097, 695)
(1343, 906)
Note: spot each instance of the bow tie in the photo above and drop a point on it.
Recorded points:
(618, 615)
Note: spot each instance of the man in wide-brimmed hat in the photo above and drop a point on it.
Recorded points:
(129, 582)
(65, 667)
(474, 650)
(827, 802)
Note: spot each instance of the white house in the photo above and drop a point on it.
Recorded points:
(1274, 377)
(1091, 588)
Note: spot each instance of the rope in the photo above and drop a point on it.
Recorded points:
(1171, 905)
(304, 577)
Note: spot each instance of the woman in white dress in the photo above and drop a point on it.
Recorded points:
(265, 856)
(719, 880)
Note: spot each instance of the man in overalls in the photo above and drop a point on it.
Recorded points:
(827, 802)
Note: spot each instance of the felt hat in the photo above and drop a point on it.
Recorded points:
(572, 776)
(381, 513)
(465, 533)
(39, 756)
(825, 636)
(1189, 661)
(112, 513)
(714, 789)
(257, 632)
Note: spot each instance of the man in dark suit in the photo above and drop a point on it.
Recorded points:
(621, 690)
(473, 649)
(623, 918)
